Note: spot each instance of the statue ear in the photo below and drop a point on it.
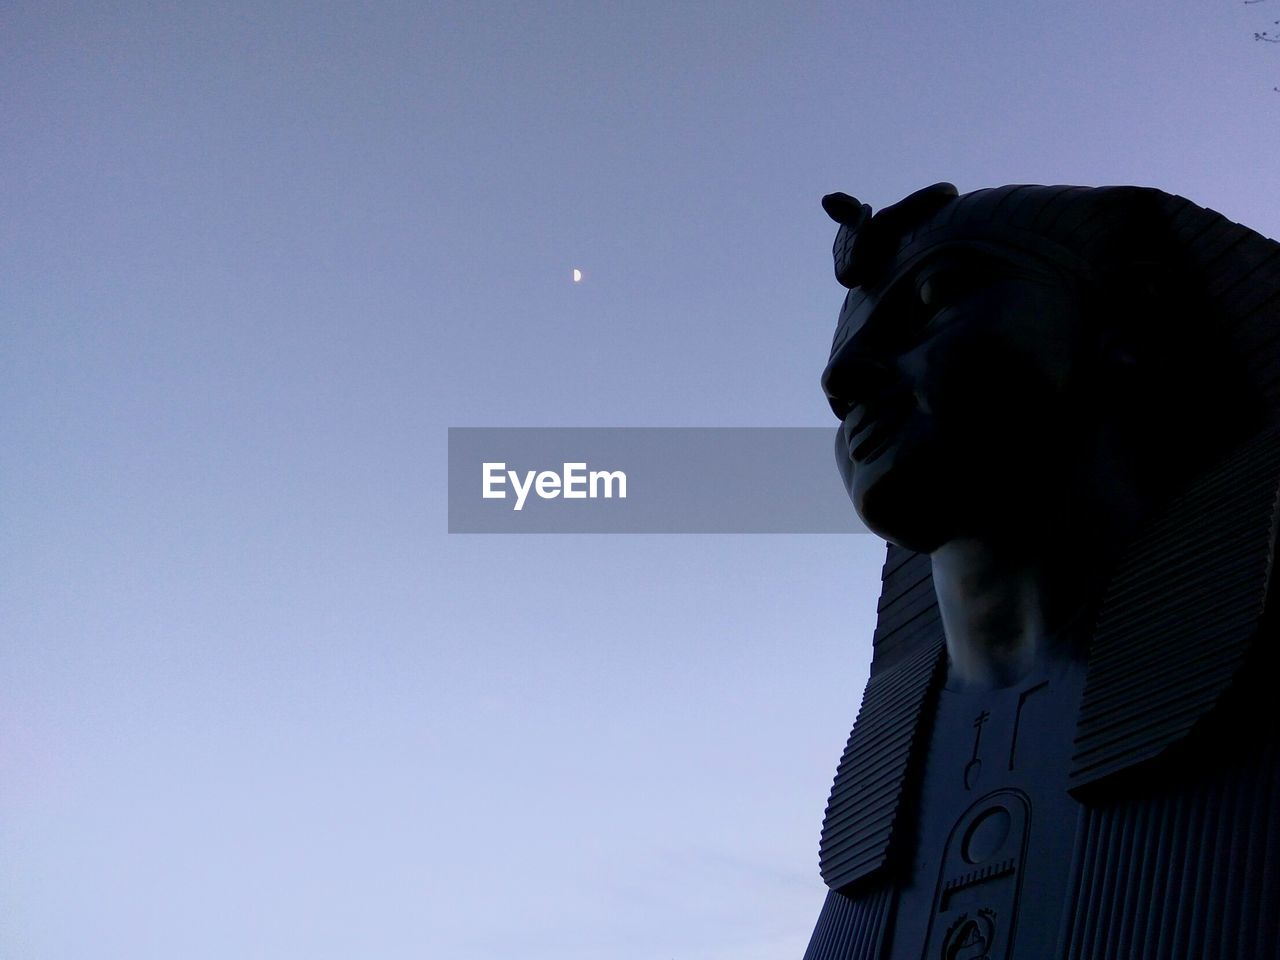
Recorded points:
(1119, 351)
(1141, 316)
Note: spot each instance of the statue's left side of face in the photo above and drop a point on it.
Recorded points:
(960, 384)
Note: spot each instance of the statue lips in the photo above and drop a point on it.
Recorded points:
(868, 432)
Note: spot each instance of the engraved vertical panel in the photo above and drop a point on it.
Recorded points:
(851, 928)
(1189, 872)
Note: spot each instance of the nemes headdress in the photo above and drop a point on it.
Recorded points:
(1111, 236)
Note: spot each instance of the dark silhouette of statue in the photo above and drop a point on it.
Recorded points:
(1060, 407)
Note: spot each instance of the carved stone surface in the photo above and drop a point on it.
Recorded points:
(1061, 407)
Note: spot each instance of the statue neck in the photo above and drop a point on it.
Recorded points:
(1005, 607)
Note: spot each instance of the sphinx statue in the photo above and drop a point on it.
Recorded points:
(1061, 408)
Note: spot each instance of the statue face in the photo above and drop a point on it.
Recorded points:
(959, 386)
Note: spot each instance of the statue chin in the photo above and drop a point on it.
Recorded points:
(892, 511)
(935, 483)
(904, 496)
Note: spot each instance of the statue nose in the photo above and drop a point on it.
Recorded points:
(854, 377)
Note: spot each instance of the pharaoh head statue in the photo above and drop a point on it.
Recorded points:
(1028, 361)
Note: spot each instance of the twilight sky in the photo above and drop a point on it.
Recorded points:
(257, 257)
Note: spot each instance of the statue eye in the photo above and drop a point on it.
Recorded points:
(946, 286)
(928, 291)
(937, 289)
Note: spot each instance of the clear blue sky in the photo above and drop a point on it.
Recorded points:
(257, 257)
